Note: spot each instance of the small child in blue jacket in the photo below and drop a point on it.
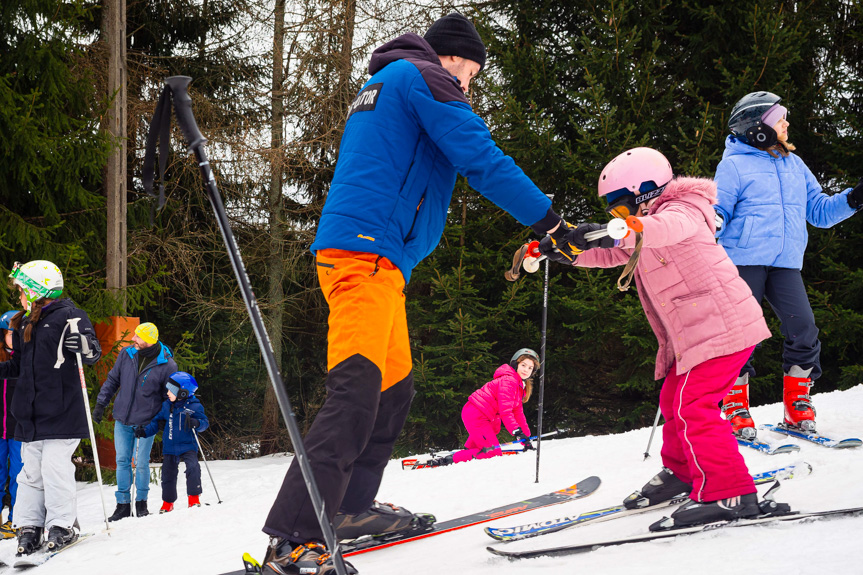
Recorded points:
(182, 416)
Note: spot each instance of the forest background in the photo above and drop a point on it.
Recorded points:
(568, 85)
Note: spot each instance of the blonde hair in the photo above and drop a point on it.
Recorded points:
(528, 383)
(781, 149)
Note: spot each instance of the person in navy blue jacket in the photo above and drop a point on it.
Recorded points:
(765, 196)
(409, 131)
(182, 417)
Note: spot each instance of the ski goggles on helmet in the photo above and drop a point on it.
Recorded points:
(32, 289)
(622, 203)
(179, 392)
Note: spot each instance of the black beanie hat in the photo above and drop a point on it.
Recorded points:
(455, 35)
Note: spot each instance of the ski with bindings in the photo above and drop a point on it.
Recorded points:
(529, 530)
(44, 554)
(765, 447)
(370, 542)
(814, 437)
(511, 448)
(585, 547)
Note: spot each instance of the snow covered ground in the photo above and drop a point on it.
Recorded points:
(210, 540)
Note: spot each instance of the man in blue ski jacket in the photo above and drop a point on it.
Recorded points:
(409, 132)
(138, 380)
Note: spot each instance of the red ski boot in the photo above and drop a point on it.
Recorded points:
(166, 507)
(735, 407)
(194, 500)
(799, 411)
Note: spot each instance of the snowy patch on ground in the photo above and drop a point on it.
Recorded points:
(211, 539)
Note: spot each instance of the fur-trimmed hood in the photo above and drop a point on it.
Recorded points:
(685, 188)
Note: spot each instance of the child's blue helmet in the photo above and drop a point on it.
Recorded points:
(6, 319)
(182, 385)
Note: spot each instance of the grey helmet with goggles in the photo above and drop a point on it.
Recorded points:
(182, 385)
(522, 352)
(753, 117)
(632, 178)
(37, 279)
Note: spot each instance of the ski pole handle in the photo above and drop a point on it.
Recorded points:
(183, 108)
(616, 228)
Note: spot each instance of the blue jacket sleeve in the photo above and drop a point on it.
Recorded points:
(153, 427)
(727, 191)
(466, 142)
(112, 382)
(201, 417)
(822, 210)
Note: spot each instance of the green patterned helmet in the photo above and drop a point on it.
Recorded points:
(38, 279)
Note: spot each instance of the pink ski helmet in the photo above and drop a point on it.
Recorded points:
(633, 177)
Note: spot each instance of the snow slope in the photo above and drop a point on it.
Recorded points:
(210, 540)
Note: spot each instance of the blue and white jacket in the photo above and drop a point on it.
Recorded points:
(766, 203)
(409, 131)
(177, 437)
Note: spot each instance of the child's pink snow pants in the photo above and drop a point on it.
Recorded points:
(697, 443)
(482, 440)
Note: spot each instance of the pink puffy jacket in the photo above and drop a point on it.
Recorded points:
(696, 302)
(501, 398)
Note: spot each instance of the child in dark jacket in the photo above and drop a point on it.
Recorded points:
(182, 417)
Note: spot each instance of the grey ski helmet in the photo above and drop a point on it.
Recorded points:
(745, 120)
(528, 352)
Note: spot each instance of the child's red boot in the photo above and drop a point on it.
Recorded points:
(735, 407)
(799, 411)
(194, 501)
(166, 507)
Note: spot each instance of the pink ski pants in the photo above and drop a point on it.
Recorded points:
(697, 442)
(482, 440)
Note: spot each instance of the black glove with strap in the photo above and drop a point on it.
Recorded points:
(98, 413)
(140, 431)
(546, 248)
(192, 423)
(576, 237)
(519, 435)
(855, 198)
(560, 240)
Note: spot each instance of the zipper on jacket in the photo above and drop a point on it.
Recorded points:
(416, 214)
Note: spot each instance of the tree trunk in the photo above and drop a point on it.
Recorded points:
(276, 266)
(114, 29)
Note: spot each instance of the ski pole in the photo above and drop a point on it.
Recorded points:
(177, 86)
(652, 431)
(201, 449)
(542, 367)
(73, 328)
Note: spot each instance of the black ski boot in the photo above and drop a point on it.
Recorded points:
(664, 486)
(288, 558)
(439, 461)
(379, 519)
(123, 510)
(59, 537)
(141, 509)
(695, 513)
(29, 539)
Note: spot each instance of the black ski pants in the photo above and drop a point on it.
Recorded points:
(170, 470)
(786, 294)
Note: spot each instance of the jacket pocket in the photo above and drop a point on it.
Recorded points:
(699, 317)
(746, 232)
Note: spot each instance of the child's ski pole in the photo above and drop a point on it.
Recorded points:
(201, 449)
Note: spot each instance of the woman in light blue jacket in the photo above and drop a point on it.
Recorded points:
(766, 194)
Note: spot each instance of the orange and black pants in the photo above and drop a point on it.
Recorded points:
(369, 392)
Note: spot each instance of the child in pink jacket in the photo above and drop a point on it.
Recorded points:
(704, 317)
(499, 400)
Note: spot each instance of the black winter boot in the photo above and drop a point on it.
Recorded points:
(141, 509)
(664, 486)
(29, 539)
(59, 537)
(695, 513)
(123, 510)
(288, 558)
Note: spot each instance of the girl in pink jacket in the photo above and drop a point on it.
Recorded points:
(704, 317)
(499, 400)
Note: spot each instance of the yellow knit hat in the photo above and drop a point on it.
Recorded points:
(148, 332)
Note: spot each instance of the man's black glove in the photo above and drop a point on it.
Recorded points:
(98, 413)
(140, 431)
(855, 198)
(560, 240)
(546, 248)
(576, 237)
(77, 343)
